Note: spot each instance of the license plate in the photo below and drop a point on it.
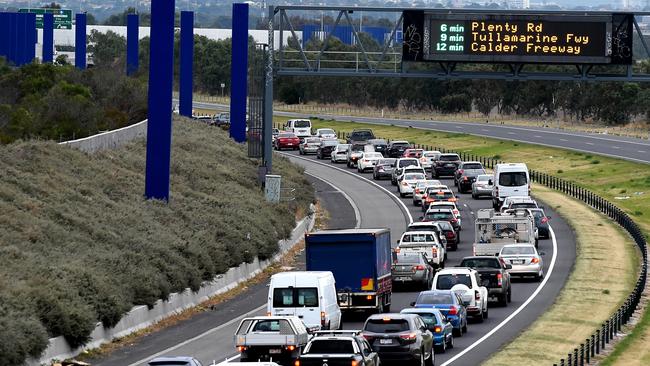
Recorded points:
(385, 341)
(289, 144)
(521, 261)
(449, 165)
(403, 279)
(274, 351)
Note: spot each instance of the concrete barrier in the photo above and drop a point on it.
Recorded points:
(110, 139)
(141, 317)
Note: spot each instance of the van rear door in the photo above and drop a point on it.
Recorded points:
(513, 183)
(302, 302)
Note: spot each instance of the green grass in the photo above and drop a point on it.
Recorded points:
(633, 350)
(79, 244)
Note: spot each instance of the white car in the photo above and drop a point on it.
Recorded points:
(340, 153)
(368, 161)
(421, 188)
(513, 202)
(466, 282)
(325, 134)
(428, 159)
(408, 182)
(450, 205)
(525, 260)
(425, 242)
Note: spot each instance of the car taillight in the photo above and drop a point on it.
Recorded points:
(322, 318)
(453, 310)
(453, 199)
(418, 268)
(409, 336)
(500, 279)
(417, 190)
(453, 221)
(437, 329)
(477, 295)
(368, 337)
(535, 260)
(544, 220)
(465, 178)
(296, 363)
(241, 348)
(291, 348)
(354, 363)
(450, 234)
(455, 212)
(460, 171)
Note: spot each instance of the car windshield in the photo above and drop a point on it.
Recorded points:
(453, 157)
(372, 155)
(435, 298)
(302, 123)
(439, 215)
(326, 131)
(450, 206)
(408, 259)
(523, 205)
(483, 178)
(342, 147)
(387, 325)
(430, 154)
(472, 166)
(417, 238)
(518, 250)
(513, 179)
(447, 281)
(379, 142)
(286, 135)
(445, 225)
(423, 228)
(331, 346)
(441, 195)
(407, 162)
(386, 162)
(400, 144)
(295, 297)
(429, 319)
(538, 214)
(414, 176)
(481, 263)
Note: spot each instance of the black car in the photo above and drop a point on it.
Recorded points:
(452, 236)
(338, 348)
(325, 149)
(442, 214)
(383, 168)
(380, 145)
(400, 337)
(396, 149)
(360, 136)
(541, 221)
(466, 175)
(446, 165)
(494, 275)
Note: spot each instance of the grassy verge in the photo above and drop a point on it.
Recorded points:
(79, 244)
(633, 350)
(600, 281)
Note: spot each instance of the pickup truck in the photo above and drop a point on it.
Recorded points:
(271, 338)
(338, 348)
(360, 260)
(425, 242)
(494, 230)
(494, 275)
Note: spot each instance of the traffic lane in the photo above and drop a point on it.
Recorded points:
(522, 289)
(219, 344)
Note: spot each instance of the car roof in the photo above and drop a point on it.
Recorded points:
(455, 270)
(420, 310)
(399, 142)
(156, 360)
(472, 162)
(440, 210)
(391, 316)
(450, 154)
(423, 223)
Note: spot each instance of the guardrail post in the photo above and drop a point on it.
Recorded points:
(575, 357)
(598, 341)
(582, 354)
(590, 347)
(562, 362)
(608, 330)
(570, 359)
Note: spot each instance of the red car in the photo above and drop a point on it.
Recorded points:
(287, 140)
(413, 153)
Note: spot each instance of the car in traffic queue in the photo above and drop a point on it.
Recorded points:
(429, 158)
(368, 161)
(466, 282)
(309, 145)
(274, 135)
(510, 179)
(442, 214)
(354, 153)
(450, 205)
(494, 275)
(400, 164)
(400, 337)
(396, 149)
(438, 325)
(450, 305)
(383, 168)
(325, 134)
(338, 348)
(326, 148)
(174, 361)
(266, 338)
(425, 242)
(466, 175)
(300, 127)
(516, 202)
(380, 146)
(446, 165)
(421, 188)
(340, 153)
(525, 260)
(408, 182)
(482, 186)
(413, 153)
(437, 194)
(452, 236)
(221, 120)
(429, 226)
(360, 135)
(541, 222)
(411, 268)
(287, 140)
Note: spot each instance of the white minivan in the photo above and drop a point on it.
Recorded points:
(309, 295)
(300, 127)
(510, 179)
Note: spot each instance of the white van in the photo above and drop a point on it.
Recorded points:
(301, 127)
(510, 179)
(309, 295)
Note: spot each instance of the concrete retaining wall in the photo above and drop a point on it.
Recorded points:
(110, 139)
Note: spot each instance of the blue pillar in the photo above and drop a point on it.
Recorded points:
(132, 42)
(238, 73)
(19, 39)
(4, 35)
(80, 41)
(187, 58)
(32, 37)
(48, 38)
(13, 38)
(161, 75)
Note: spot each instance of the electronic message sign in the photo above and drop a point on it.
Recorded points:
(517, 37)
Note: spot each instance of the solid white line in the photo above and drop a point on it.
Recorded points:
(519, 309)
(538, 136)
(589, 143)
(511, 133)
(641, 151)
(615, 147)
(564, 140)
(357, 213)
(208, 332)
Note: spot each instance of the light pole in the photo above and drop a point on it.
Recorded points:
(223, 85)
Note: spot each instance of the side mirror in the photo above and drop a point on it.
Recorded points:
(508, 266)
(399, 240)
(366, 352)
(412, 303)
(542, 253)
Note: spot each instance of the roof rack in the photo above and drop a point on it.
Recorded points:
(336, 332)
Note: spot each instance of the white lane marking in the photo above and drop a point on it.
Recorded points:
(538, 136)
(460, 127)
(357, 213)
(208, 332)
(615, 147)
(485, 130)
(511, 133)
(641, 151)
(564, 140)
(589, 143)
(519, 309)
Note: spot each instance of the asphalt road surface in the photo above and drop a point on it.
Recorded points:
(627, 148)
(366, 204)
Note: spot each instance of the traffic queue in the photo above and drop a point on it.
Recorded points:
(356, 270)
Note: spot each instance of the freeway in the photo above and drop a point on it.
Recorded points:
(372, 204)
(632, 149)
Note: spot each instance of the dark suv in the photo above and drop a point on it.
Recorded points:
(338, 348)
(400, 337)
(447, 164)
(396, 149)
(380, 145)
(360, 135)
(466, 175)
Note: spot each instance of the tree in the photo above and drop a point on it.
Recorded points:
(107, 48)
(51, 5)
(120, 19)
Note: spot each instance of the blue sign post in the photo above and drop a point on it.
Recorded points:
(187, 58)
(132, 39)
(239, 72)
(80, 41)
(48, 38)
(161, 76)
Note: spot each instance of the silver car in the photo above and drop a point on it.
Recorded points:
(309, 145)
(482, 186)
(412, 268)
(525, 260)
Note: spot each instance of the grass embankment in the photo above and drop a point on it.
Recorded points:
(79, 244)
(633, 350)
(625, 183)
(600, 281)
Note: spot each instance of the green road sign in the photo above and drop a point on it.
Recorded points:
(62, 18)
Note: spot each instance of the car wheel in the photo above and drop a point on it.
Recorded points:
(450, 342)
(503, 300)
(420, 361)
(509, 296)
(481, 317)
(401, 194)
(464, 328)
(457, 332)
(474, 196)
(486, 313)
